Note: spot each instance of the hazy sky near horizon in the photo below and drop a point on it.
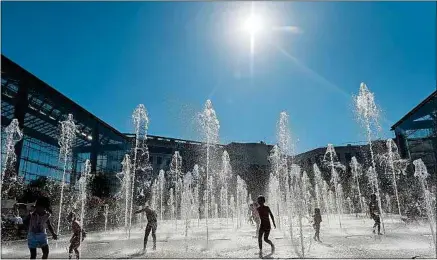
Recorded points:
(309, 60)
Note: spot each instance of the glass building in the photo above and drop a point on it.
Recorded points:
(416, 133)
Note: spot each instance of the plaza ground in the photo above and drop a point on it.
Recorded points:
(353, 240)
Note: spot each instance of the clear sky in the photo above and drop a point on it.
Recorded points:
(172, 56)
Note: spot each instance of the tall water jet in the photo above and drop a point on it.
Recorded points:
(83, 191)
(340, 198)
(186, 201)
(176, 178)
(141, 124)
(350, 205)
(196, 195)
(388, 203)
(13, 135)
(66, 139)
(106, 207)
(161, 181)
(279, 157)
(210, 126)
(330, 158)
(305, 189)
(327, 199)
(356, 173)
(125, 178)
(171, 204)
(275, 194)
(421, 173)
(296, 198)
(225, 178)
(368, 115)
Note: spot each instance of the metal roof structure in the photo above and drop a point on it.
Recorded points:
(423, 116)
(40, 108)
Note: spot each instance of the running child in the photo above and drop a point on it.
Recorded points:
(38, 221)
(264, 227)
(79, 235)
(317, 219)
(152, 225)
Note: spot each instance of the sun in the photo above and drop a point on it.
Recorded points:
(253, 24)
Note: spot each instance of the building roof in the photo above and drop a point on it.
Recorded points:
(47, 107)
(424, 108)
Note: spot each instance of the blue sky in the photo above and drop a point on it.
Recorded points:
(172, 56)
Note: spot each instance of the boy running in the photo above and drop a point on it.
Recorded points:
(79, 235)
(264, 228)
(152, 225)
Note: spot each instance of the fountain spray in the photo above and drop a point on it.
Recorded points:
(83, 185)
(161, 180)
(421, 173)
(330, 158)
(356, 173)
(210, 126)
(66, 139)
(13, 136)
(368, 113)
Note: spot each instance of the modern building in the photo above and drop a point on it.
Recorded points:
(40, 109)
(416, 134)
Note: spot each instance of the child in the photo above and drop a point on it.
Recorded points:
(264, 228)
(317, 218)
(374, 213)
(37, 221)
(152, 225)
(79, 235)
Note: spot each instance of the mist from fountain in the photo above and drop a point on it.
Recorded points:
(421, 173)
(66, 139)
(210, 126)
(368, 115)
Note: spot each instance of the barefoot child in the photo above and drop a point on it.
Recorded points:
(264, 228)
(38, 221)
(317, 218)
(152, 224)
(79, 235)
